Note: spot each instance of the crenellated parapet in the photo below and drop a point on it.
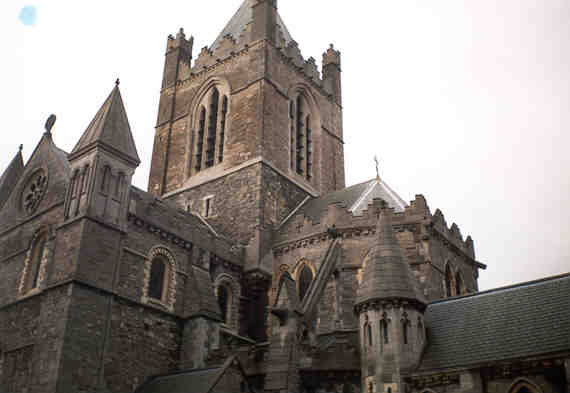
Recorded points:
(451, 234)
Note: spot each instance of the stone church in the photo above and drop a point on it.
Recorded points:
(248, 265)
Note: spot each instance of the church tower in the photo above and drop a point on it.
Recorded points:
(250, 129)
(390, 309)
(248, 132)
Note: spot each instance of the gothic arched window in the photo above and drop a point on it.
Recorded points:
(35, 261)
(305, 279)
(211, 129)
(224, 302)
(448, 281)
(200, 141)
(524, 386)
(384, 331)
(223, 129)
(157, 281)
(459, 284)
(405, 330)
(301, 136)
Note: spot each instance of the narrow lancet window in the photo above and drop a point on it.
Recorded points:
(305, 279)
(36, 261)
(223, 302)
(200, 141)
(384, 331)
(448, 279)
(212, 128)
(292, 122)
(156, 281)
(300, 136)
(369, 334)
(458, 284)
(223, 129)
(309, 159)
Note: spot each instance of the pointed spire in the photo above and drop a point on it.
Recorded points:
(245, 15)
(387, 274)
(10, 176)
(110, 130)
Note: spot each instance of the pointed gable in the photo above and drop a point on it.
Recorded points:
(238, 24)
(388, 275)
(10, 177)
(52, 162)
(109, 129)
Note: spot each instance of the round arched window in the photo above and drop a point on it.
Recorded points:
(157, 281)
(224, 302)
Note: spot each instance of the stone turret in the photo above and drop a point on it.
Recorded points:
(390, 308)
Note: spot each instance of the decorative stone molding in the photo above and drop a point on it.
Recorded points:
(169, 290)
(45, 258)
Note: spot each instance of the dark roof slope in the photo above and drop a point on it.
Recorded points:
(241, 19)
(10, 177)
(198, 381)
(520, 321)
(192, 381)
(354, 198)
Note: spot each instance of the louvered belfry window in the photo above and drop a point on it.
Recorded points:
(211, 130)
(301, 137)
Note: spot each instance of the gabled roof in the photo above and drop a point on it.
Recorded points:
(192, 381)
(110, 129)
(354, 198)
(524, 320)
(10, 177)
(240, 20)
(387, 274)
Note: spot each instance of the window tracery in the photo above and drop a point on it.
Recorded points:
(211, 128)
(34, 191)
(301, 136)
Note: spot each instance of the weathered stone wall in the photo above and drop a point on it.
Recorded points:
(31, 332)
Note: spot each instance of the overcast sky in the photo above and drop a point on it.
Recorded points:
(466, 102)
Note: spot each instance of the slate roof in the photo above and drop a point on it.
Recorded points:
(110, 128)
(520, 321)
(198, 381)
(191, 381)
(387, 274)
(354, 198)
(10, 177)
(240, 20)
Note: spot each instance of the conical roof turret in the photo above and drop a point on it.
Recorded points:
(110, 130)
(387, 274)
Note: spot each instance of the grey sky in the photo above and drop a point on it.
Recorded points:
(465, 102)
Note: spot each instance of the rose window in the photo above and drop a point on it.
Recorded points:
(34, 191)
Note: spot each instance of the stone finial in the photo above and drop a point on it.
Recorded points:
(21, 148)
(117, 82)
(49, 123)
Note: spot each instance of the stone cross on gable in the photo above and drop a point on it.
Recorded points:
(377, 167)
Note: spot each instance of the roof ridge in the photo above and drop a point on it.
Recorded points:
(505, 288)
